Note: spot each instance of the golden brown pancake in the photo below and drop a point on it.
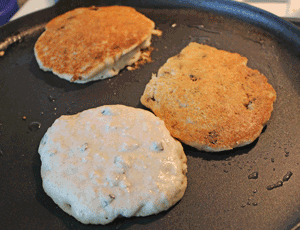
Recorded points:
(210, 99)
(88, 44)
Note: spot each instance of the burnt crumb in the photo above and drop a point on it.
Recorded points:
(287, 176)
(193, 78)
(112, 196)
(253, 175)
(79, 77)
(60, 28)
(287, 153)
(279, 184)
(144, 59)
(272, 186)
(213, 137)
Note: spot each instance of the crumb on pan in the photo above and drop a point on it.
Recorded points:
(157, 32)
(144, 58)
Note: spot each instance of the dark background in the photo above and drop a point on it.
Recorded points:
(219, 193)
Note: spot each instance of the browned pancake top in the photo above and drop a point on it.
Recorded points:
(210, 99)
(81, 40)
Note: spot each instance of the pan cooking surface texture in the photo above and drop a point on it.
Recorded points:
(226, 190)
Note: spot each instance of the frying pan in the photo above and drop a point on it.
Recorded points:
(220, 194)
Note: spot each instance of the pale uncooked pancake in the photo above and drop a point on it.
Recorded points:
(88, 44)
(112, 161)
(210, 99)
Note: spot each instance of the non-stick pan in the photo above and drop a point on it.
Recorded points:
(220, 194)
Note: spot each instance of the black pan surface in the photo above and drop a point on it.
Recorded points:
(219, 193)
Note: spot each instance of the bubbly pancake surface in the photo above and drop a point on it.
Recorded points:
(112, 161)
(88, 44)
(210, 99)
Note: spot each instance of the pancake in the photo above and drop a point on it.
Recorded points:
(210, 99)
(88, 44)
(112, 161)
